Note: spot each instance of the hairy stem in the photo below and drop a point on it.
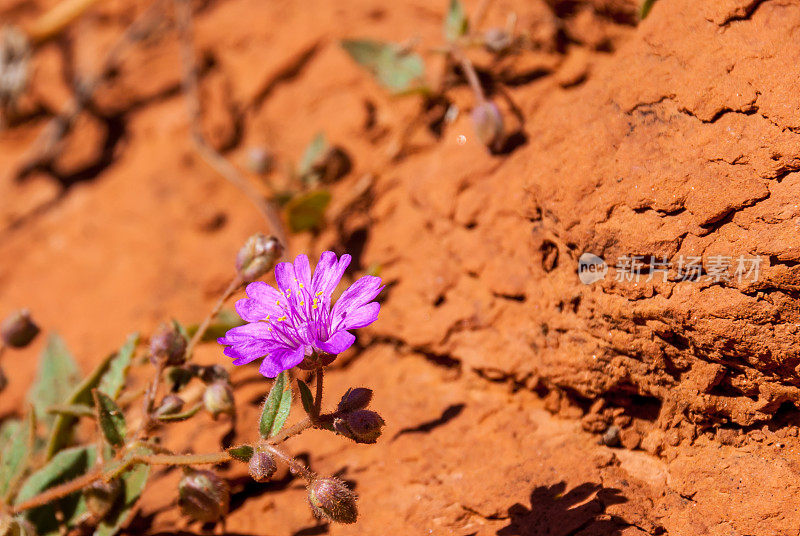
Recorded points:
(469, 72)
(57, 492)
(212, 458)
(294, 466)
(292, 431)
(149, 400)
(198, 336)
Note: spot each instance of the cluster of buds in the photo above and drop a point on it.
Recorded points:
(353, 421)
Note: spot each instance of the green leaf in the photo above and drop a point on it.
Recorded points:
(66, 465)
(645, 8)
(113, 379)
(312, 154)
(108, 376)
(307, 211)
(15, 453)
(134, 481)
(455, 23)
(243, 453)
(276, 407)
(395, 68)
(222, 322)
(58, 376)
(110, 419)
(305, 396)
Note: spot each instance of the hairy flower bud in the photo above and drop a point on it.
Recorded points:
(497, 40)
(170, 405)
(257, 256)
(355, 398)
(218, 398)
(11, 526)
(361, 425)
(101, 497)
(18, 330)
(488, 123)
(262, 466)
(168, 346)
(330, 498)
(203, 496)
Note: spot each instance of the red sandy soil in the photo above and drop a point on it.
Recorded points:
(495, 368)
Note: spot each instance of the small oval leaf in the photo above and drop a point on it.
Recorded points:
(276, 407)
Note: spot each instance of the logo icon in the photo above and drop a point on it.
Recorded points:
(591, 268)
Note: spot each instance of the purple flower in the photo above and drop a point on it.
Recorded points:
(287, 325)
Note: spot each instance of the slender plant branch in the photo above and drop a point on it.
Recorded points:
(184, 459)
(57, 492)
(292, 431)
(149, 400)
(201, 330)
(212, 157)
(469, 72)
(59, 17)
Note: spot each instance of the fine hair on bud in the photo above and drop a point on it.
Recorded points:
(331, 499)
(18, 329)
(101, 497)
(361, 425)
(168, 347)
(203, 496)
(488, 124)
(262, 466)
(355, 398)
(257, 256)
(170, 405)
(218, 399)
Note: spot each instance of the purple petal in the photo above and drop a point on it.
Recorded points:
(302, 271)
(338, 343)
(245, 334)
(361, 317)
(363, 291)
(248, 343)
(285, 277)
(263, 300)
(329, 272)
(280, 360)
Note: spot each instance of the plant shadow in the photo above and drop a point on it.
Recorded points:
(554, 511)
(450, 413)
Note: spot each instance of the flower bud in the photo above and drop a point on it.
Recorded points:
(203, 496)
(488, 123)
(262, 466)
(259, 160)
(15, 526)
(214, 373)
(497, 40)
(101, 497)
(355, 398)
(18, 330)
(330, 498)
(218, 398)
(361, 425)
(168, 346)
(257, 256)
(170, 405)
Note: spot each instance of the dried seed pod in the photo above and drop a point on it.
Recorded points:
(488, 124)
(355, 398)
(101, 497)
(330, 498)
(218, 398)
(203, 496)
(361, 425)
(18, 330)
(168, 346)
(257, 256)
(262, 466)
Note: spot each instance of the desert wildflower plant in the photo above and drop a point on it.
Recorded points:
(54, 480)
